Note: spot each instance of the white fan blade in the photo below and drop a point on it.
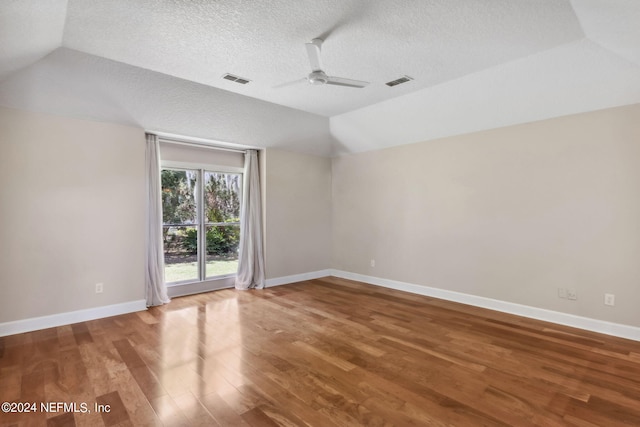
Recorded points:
(339, 81)
(295, 82)
(313, 50)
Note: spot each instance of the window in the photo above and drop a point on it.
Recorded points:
(201, 224)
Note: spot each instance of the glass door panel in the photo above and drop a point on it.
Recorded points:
(180, 228)
(222, 250)
(222, 222)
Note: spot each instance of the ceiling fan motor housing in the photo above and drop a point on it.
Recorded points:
(318, 78)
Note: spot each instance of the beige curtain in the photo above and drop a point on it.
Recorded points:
(251, 257)
(156, 290)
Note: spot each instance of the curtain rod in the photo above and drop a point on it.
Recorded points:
(199, 142)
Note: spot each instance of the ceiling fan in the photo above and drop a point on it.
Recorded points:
(318, 76)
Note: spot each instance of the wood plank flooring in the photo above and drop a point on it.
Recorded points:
(326, 352)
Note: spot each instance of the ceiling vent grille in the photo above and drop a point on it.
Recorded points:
(399, 81)
(236, 79)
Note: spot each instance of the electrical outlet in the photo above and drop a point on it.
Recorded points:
(373, 263)
(572, 294)
(609, 299)
(562, 293)
(99, 288)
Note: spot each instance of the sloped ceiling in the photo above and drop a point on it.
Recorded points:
(476, 65)
(72, 83)
(29, 30)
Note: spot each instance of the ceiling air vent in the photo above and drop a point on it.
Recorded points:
(399, 81)
(236, 79)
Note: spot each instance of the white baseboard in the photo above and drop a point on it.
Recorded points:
(51, 321)
(277, 281)
(601, 326)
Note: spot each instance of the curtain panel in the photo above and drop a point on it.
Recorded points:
(251, 256)
(156, 289)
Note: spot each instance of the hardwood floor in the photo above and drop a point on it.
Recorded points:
(327, 352)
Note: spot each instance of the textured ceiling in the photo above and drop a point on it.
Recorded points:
(29, 30)
(476, 65)
(73, 83)
(577, 77)
(375, 41)
(365, 40)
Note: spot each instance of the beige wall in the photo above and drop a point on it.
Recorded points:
(510, 214)
(72, 214)
(297, 213)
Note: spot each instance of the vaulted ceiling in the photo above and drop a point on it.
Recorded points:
(475, 65)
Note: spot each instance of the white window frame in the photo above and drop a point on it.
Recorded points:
(202, 279)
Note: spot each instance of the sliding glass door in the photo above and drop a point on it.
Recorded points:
(201, 228)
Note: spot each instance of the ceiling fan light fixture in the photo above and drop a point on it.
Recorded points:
(317, 77)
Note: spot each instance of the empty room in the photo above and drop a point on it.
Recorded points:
(319, 213)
